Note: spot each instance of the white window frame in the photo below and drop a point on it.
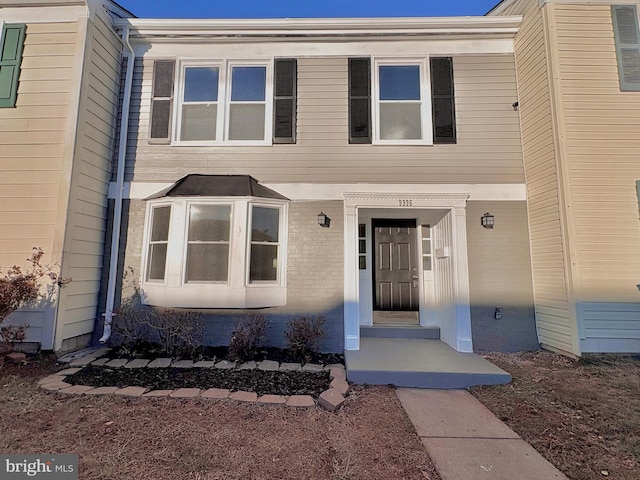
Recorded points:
(425, 99)
(238, 291)
(281, 228)
(224, 101)
(185, 254)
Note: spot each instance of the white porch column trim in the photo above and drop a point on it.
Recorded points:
(461, 268)
(456, 202)
(351, 283)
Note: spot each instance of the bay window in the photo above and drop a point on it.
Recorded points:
(215, 252)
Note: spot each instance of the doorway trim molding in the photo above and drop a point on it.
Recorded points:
(456, 202)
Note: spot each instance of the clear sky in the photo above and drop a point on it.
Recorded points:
(305, 8)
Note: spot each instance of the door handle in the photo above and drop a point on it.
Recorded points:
(415, 277)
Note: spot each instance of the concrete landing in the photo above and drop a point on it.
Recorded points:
(466, 441)
(395, 331)
(419, 363)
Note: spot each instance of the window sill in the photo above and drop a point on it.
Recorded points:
(235, 143)
(214, 296)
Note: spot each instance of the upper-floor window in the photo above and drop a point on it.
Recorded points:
(627, 36)
(224, 102)
(11, 45)
(401, 101)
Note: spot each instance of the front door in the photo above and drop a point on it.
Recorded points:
(395, 276)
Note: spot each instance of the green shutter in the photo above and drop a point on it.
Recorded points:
(627, 36)
(11, 43)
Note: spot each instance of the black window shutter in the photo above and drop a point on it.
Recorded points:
(284, 100)
(359, 100)
(162, 99)
(443, 100)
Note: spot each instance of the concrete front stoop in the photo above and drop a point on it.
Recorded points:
(466, 441)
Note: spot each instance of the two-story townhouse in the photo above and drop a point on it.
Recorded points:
(578, 71)
(366, 170)
(60, 63)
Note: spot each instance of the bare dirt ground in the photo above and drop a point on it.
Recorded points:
(369, 438)
(583, 416)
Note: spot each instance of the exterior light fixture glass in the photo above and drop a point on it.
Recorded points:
(487, 220)
(323, 220)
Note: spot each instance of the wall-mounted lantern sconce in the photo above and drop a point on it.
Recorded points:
(487, 220)
(515, 106)
(323, 220)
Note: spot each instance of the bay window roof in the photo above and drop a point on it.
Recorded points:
(196, 185)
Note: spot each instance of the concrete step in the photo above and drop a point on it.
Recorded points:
(396, 331)
(419, 363)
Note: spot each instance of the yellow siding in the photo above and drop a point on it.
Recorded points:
(32, 138)
(488, 148)
(553, 313)
(91, 174)
(601, 125)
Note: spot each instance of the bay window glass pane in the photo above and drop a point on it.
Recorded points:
(399, 82)
(248, 84)
(201, 84)
(265, 223)
(400, 121)
(209, 222)
(264, 262)
(199, 122)
(157, 261)
(160, 224)
(207, 262)
(246, 121)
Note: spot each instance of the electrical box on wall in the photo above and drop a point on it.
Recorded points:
(443, 252)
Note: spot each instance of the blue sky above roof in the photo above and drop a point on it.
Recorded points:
(305, 8)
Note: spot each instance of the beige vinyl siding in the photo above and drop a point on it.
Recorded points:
(91, 173)
(488, 148)
(32, 136)
(554, 319)
(601, 126)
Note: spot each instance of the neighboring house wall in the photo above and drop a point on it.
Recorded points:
(85, 230)
(601, 143)
(488, 148)
(555, 317)
(500, 277)
(34, 163)
(580, 154)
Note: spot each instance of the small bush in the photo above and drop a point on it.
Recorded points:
(176, 333)
(304, 335)
(247, 336)
(20, 288)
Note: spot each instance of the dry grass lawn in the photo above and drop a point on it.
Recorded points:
(583, 416)
(369, 438)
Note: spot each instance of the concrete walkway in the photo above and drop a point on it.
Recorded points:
(468, 442)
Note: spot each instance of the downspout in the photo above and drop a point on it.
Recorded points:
(119, 194)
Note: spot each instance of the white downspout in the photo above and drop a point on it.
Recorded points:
(117, 211)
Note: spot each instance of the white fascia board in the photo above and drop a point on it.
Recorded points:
(326, 27)
(316, 48)
(321, 192)
(44, 14)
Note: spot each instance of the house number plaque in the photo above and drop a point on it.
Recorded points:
(405, 202)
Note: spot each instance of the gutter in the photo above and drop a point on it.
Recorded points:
(119, 194)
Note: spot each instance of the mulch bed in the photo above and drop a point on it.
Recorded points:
(258, 381)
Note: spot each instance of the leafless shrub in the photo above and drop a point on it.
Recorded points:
(248, 334)
(177, 333)
(304, 335)
(22, 287)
